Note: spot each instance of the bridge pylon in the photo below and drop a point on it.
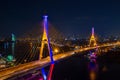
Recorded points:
(45, 40)
(92, 41)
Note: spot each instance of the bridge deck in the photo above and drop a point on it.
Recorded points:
(22, 68)
(8, 72)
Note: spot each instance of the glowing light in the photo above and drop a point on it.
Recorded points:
(92, 39)
(63, 56)
(13, 37)
(9, 58)
(56, 50)
(93, 68)
(45, 38)
(50, 72)
(46, 28)
(44, 74)
(92, 30)
(45, 16)
(92, 75)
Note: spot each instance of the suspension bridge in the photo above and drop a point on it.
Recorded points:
(23, 69)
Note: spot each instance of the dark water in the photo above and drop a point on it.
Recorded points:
(79, 67)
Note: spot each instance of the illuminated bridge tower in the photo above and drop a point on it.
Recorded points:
(92, 39)
(45, 40)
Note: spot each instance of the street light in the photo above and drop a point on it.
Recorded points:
(56, 50)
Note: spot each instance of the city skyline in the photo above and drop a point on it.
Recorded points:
(76, 17)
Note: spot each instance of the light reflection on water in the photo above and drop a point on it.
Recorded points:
(93, 69)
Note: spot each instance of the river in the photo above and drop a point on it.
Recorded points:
(79, 67)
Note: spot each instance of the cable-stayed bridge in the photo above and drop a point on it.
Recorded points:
(22, 68)
(50, 60)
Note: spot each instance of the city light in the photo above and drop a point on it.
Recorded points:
(9, 58)
(56, 50)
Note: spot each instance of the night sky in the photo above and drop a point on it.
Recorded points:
(67, 16)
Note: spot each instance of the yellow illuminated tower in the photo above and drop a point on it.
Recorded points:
(92, 39)
(45, 40)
